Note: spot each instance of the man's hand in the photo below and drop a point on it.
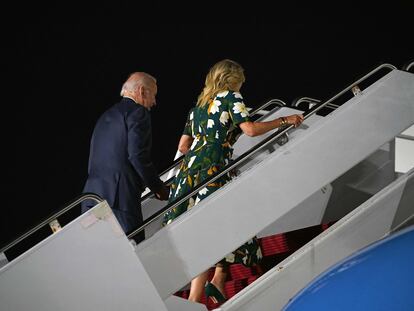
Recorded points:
(163, 193)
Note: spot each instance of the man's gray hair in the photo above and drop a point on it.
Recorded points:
(135, 80)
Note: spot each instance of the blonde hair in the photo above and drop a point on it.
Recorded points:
(224, 75)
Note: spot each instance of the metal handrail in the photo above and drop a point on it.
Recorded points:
(311, 100)
(408, 67)
(83, 197)
(177, 161)
(267, 141)
(98, 199)
(274, 101)
(265, 105)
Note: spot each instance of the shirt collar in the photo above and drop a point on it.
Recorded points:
(127, 97)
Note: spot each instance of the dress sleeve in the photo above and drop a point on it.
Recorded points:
(237, 110)
(188, 124)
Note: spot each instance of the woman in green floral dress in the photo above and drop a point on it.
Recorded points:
(212, 127)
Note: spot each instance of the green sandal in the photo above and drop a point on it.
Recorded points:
(214, 294)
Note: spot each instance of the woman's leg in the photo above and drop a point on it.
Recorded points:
(197, 287)
(219, 278)
(199, 282)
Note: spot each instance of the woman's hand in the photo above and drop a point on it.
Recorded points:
(294, 119)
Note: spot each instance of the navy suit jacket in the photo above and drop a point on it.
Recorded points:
(120, 163)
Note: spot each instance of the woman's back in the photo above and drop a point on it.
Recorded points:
(213, 127)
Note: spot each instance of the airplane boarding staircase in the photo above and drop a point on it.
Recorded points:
(291, 179)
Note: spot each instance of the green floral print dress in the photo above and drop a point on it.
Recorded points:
(214, 128)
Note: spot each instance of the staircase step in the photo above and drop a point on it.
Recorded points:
(238, 271)
(231, 288)
(274, 244)
(274, 249)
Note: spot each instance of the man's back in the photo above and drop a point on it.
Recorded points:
(120, 163)
(109, 145)
(111, 174)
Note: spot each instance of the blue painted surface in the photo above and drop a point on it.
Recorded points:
(378, 277)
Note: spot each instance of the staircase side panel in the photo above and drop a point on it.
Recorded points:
(88, 265)
(295, 171)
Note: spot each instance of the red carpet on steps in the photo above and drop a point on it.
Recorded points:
(275, 248)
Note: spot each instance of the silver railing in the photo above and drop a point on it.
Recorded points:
(54, 223)
(312, 102)
(409, 66)
(52, 220)
(260, 110)
(269, 140)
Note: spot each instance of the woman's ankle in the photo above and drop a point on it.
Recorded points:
(219, 286)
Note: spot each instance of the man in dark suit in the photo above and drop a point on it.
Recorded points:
(120, 165)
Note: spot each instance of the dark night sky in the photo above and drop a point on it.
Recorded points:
(73, 69)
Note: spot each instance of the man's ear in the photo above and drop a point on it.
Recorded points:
(142, 91)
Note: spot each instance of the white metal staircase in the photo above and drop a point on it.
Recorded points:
(389, 210)
(91, 265)
(276, 186)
